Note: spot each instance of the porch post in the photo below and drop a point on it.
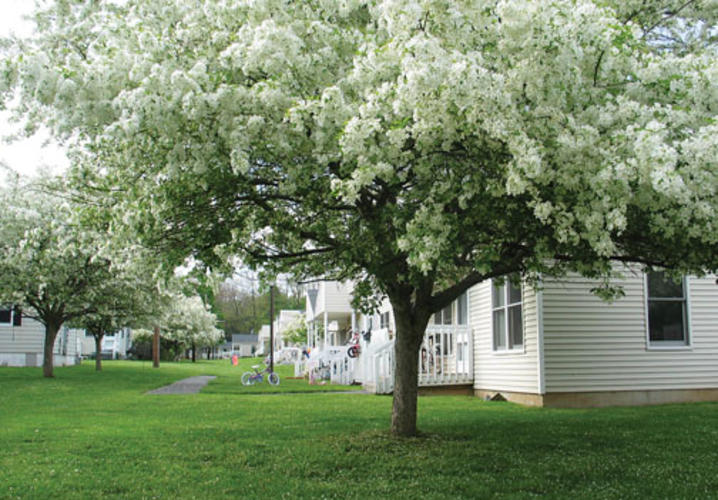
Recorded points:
(326, 327)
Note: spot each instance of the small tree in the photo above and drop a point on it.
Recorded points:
(190, 322)
(52, 267)
(134, 298)
(296, 332)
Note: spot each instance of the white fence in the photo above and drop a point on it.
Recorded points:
(331, 364)
(445, 358)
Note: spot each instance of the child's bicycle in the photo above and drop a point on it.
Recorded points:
(249, 378)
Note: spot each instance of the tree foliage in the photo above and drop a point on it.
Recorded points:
(190, 323)
(59, 270)
(423, 145)
(245, 311)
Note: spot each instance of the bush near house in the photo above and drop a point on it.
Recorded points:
(98, 434)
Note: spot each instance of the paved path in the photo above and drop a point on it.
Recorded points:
(190, 385)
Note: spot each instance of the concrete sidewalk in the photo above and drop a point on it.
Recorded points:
(190, 385)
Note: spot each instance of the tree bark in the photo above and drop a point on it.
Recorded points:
(156, 348)
(409, 334)
(51, 329)
(194, 352)
(98, 352)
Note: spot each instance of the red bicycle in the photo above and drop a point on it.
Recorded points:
(354, 348)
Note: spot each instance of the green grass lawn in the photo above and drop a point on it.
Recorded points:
(96, 435)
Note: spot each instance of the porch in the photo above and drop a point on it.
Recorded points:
(445, 359)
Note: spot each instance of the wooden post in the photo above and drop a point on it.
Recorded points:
(271, 328)
(156, 348)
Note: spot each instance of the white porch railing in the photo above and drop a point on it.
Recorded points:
(445, 358)
(383, 365)
(330, 364)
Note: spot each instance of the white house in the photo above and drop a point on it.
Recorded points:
(22, 341)
(329, 315)
(657, 344)
(113, 346)
(562, 345)
(284, 320)
(244, 345)
(263, 340)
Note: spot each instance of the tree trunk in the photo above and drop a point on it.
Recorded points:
(156, 348)
(98, 352)
(409, 334)
(51, 329)
(194, 352)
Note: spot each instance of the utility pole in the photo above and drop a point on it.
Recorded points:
(156, 348)
(271, 328)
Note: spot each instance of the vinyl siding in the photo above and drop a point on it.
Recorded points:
(516, 372)
(27, 338)
(591, 345)
(335, 297)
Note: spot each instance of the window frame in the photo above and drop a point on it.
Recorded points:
(385, 320)
(15, 316)
(9, 310)
(668, 345)
(521, 349)
(462, 310)
(447, 313)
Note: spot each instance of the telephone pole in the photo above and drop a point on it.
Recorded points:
(271, 328)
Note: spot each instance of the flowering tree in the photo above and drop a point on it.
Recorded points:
(189, 322)
(419, 147)
(57, 270)
(296, 332)
(132, 298)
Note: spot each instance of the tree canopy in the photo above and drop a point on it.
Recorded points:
(190, 323)
(245, 311)
(421, 146)
(59, 270)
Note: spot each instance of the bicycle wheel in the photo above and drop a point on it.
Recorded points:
(247, 378)
(273, 378)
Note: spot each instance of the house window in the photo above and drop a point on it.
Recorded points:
(462, 308)
(507, 321)
(444, 317)
(384, 320)
(10, 316)
(667, 311)
(5, 315)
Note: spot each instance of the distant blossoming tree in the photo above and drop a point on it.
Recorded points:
(189, 322)
(418, 146)
(57, 270)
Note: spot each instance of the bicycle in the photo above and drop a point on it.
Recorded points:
(249, 378)
(354, 348)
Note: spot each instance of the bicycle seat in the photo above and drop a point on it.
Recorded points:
(256, 367)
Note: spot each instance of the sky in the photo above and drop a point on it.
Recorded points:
(24, 156)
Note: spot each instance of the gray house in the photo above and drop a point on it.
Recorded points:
(22, 341)
(244, 345)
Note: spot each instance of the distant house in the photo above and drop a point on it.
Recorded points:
(287, 319)
(224, 350)
(114, 346)
(244, 345)
(22, 341)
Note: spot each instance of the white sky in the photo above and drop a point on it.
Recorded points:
(24, 156)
